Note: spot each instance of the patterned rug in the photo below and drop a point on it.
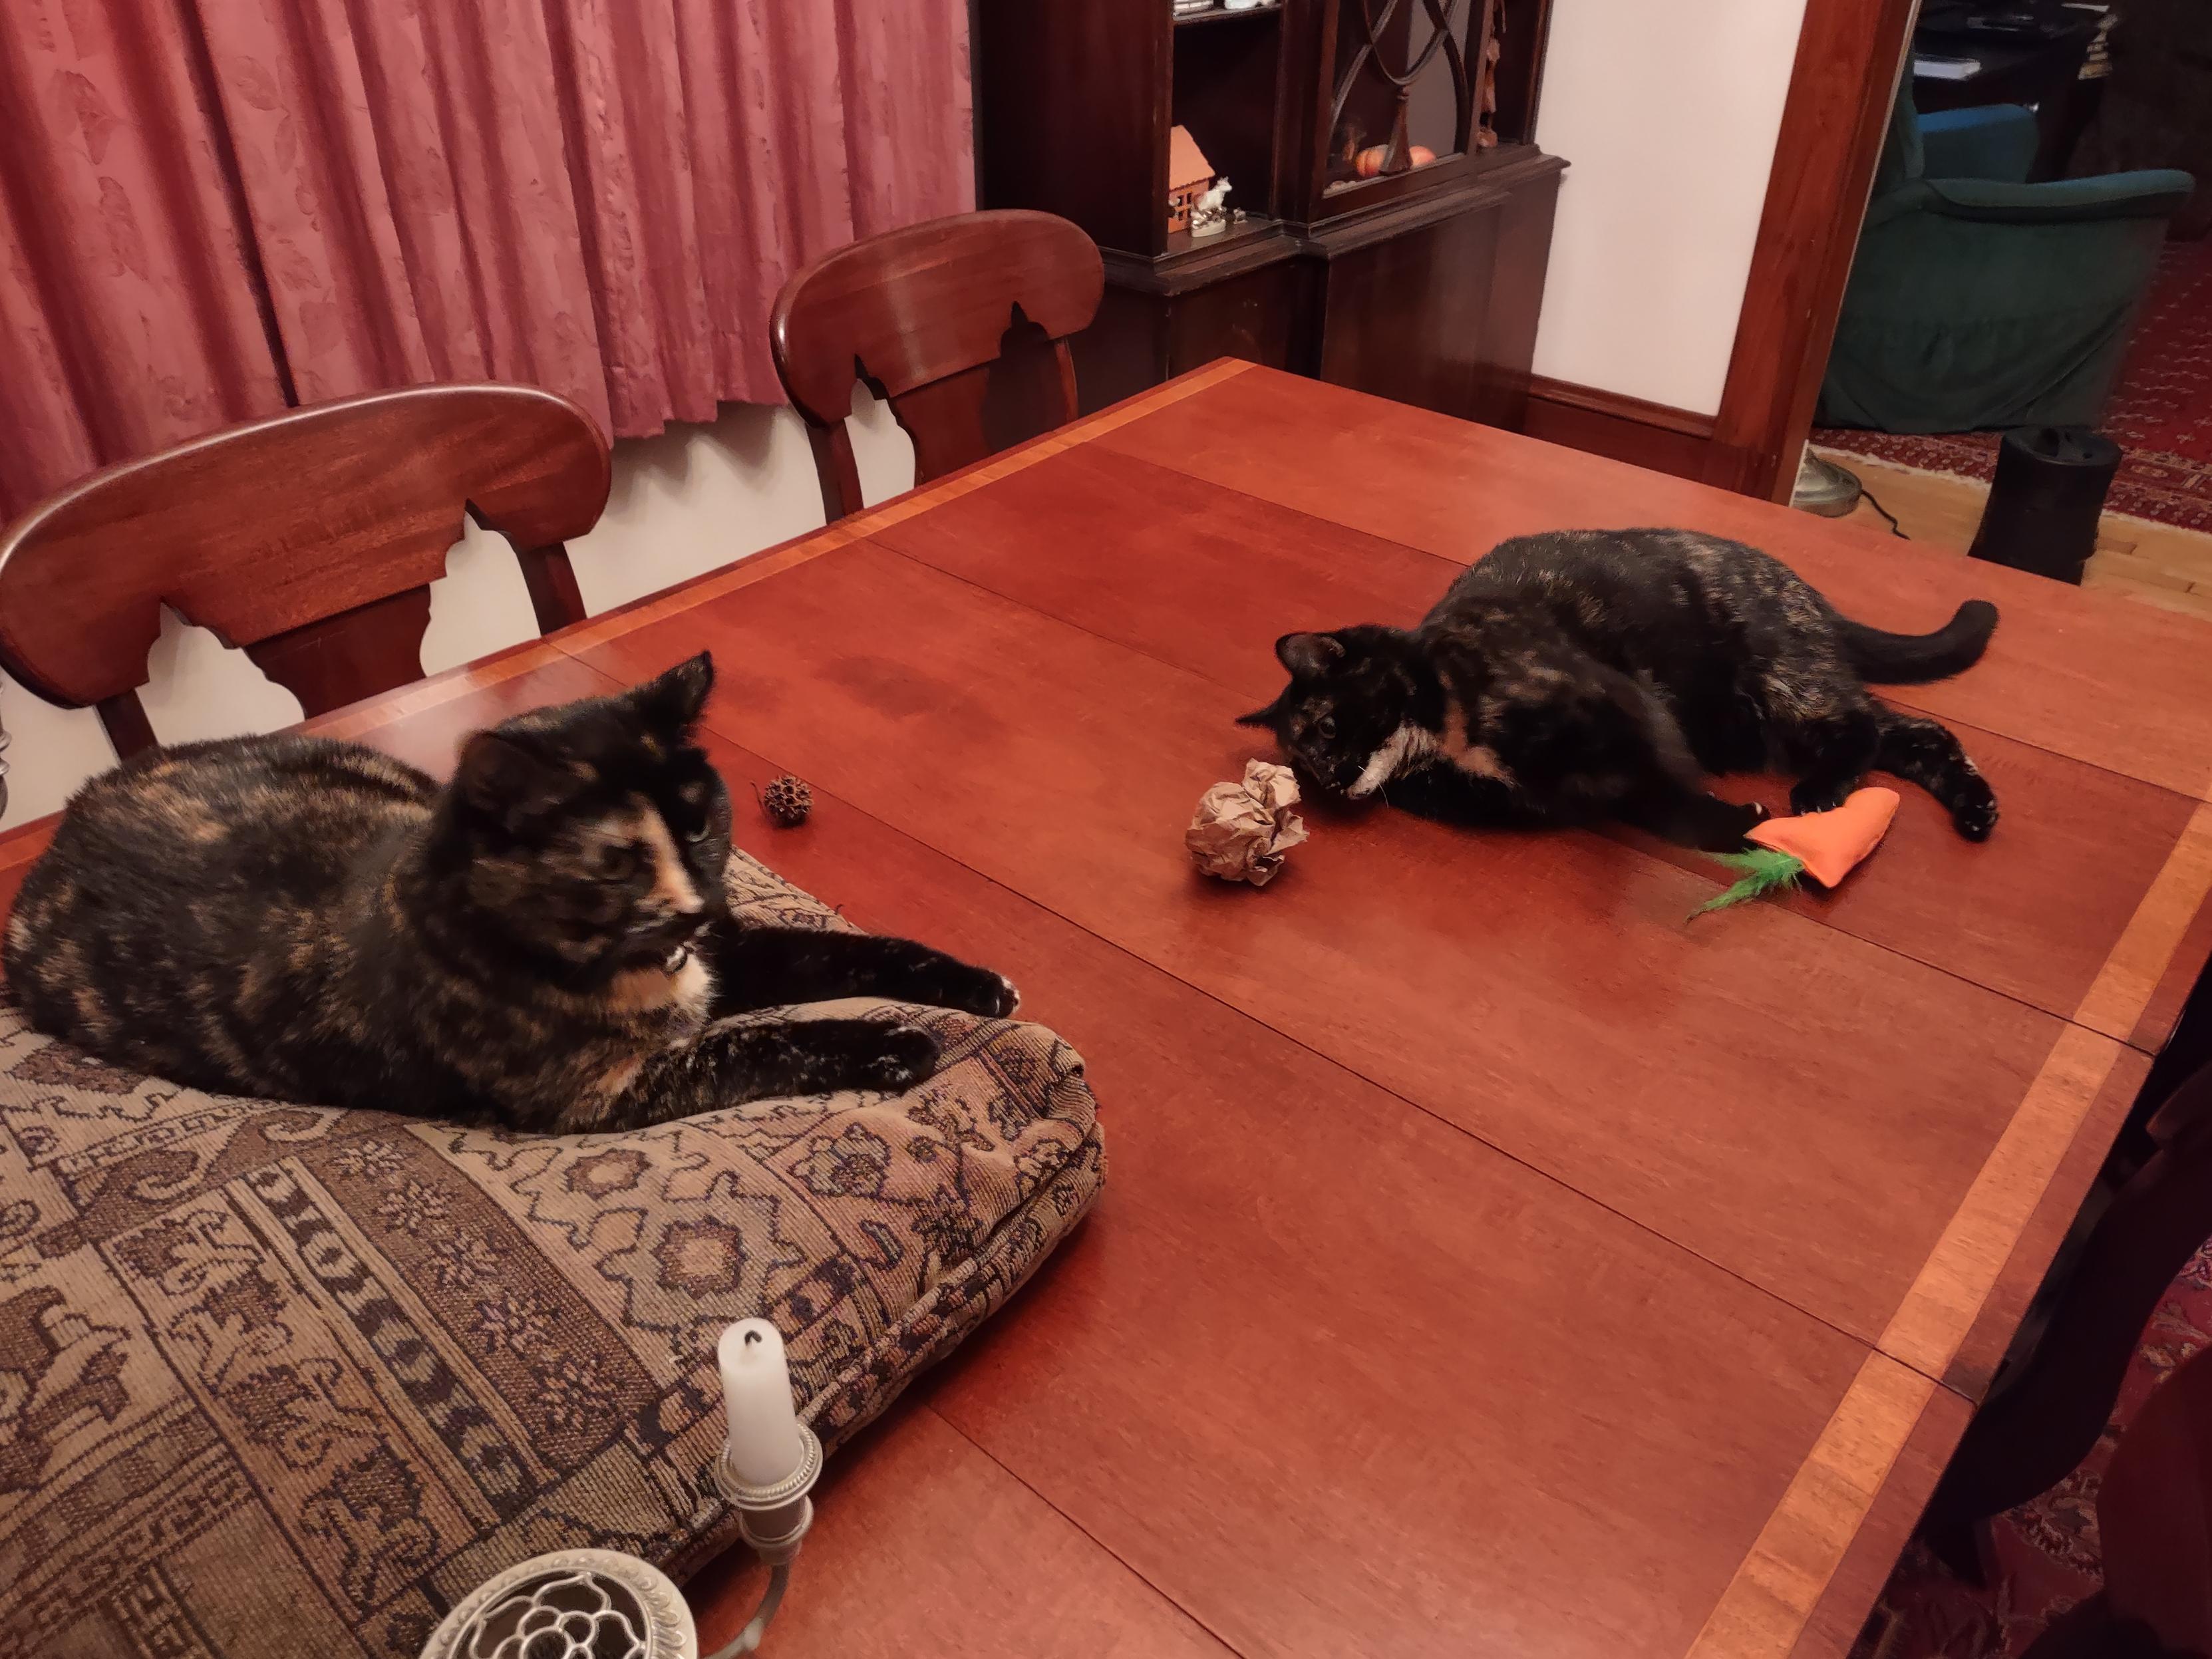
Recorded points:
(2046, 1550)
(2160, 413)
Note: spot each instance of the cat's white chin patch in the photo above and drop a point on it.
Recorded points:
(1406, 744)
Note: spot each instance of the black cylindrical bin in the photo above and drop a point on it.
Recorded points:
(2044, 505)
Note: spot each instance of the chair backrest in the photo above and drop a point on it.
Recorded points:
(310, 540)
(927, 314)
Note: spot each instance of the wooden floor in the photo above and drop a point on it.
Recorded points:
(2155, 563)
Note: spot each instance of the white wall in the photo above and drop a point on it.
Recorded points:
(1666, 116)
(683, 503)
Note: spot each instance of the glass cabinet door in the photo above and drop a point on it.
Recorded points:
(1411, 86)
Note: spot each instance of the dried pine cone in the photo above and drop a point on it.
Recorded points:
(787, 801)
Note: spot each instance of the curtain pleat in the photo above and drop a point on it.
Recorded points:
(212, 208)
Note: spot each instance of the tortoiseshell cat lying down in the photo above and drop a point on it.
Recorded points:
(542, 944)
(1588, 674)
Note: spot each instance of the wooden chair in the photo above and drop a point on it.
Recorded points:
(2154, 1526)
(310, 540)
(927, 314)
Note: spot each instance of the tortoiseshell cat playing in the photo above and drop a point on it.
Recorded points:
(543, 943)
(1582, 675)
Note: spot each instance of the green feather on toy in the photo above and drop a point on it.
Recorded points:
(1765, 870)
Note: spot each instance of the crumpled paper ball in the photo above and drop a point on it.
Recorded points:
(1243, 830)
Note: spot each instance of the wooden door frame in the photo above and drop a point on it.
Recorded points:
(1850, 54)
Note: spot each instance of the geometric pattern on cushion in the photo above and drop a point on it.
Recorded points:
(278, 1380)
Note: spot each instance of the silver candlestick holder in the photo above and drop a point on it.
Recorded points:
(599, 1604)
(774, 1519)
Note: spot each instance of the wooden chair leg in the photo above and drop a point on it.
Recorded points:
(2044, 1417)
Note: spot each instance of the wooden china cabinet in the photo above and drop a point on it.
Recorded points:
(1397, 215)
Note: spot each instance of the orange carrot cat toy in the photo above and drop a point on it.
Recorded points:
(1825, 846)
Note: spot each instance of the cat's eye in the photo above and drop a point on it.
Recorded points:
(693, 798)
(616, 861)
(1325, 727)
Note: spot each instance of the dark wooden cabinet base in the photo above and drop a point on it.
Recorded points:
(1233, 297)
(1433, 302)
(1440, 309)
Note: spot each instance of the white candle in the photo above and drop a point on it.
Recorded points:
(764, 1443)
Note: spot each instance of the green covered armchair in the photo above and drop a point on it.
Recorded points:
(1978, 300)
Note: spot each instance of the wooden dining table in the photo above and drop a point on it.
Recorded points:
(1492, 1260)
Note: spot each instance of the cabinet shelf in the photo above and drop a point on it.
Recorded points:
(1222, 14)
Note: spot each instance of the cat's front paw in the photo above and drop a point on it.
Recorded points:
(1007, 998)
(1819, 795)
(1724, 824)
(951, 984)
(908, 1055)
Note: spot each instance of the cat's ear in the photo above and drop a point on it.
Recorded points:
(1309, 656)
(673, 701)
(1264, 718)
(508, 781)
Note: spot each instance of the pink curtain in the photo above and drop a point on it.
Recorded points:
(210, 208)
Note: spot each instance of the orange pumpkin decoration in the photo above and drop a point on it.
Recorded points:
(1369, 162)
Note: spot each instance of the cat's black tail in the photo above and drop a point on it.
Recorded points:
(1914, 659)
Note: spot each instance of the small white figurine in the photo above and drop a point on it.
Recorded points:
(1209, 215)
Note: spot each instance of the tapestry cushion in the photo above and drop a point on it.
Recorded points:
(278, 1380)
